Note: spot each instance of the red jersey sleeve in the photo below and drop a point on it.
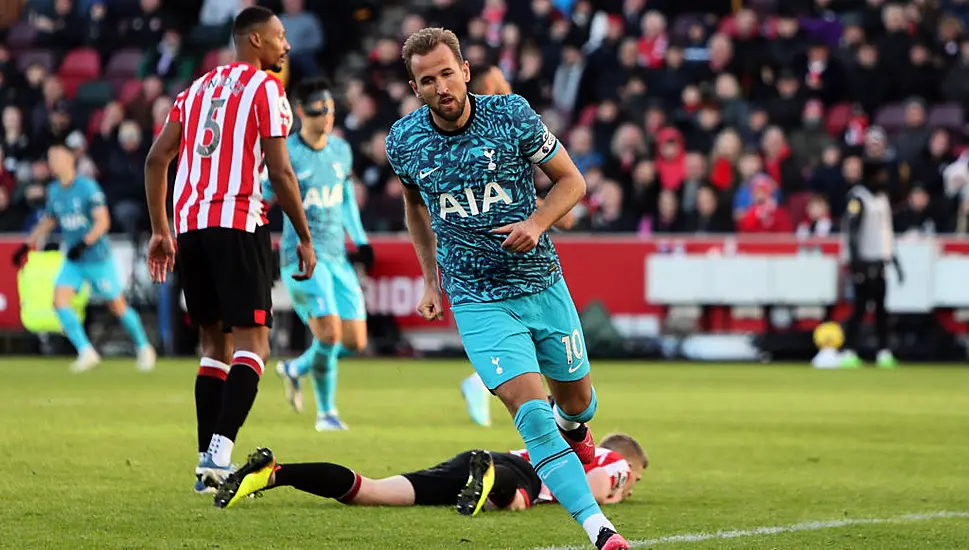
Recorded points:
(175, 113)
(273, 113)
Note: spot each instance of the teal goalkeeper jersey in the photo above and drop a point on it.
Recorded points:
(72, 207)
(474, 180)
(326, 189)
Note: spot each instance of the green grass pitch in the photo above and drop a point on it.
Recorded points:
(105, 459)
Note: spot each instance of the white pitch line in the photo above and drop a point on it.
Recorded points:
(794, 528)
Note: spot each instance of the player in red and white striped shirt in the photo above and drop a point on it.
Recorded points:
(472, 480)
(223, 128)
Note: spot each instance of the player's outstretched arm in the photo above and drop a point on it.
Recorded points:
(286, 187)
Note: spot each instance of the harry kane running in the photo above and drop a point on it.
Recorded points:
(466, 164)
(331, 302)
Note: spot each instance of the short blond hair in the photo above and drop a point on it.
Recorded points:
(425, 40)
(628, 447)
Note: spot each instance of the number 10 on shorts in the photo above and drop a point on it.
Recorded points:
(573, 346)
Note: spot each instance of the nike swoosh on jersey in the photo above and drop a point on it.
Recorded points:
(425, 173)
(304, 175)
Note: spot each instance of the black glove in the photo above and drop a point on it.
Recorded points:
(898, 270)
(74, 253)
(363, 256)
(20, 256)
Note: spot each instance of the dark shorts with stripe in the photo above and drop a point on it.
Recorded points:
(440, 485)
(227, 276)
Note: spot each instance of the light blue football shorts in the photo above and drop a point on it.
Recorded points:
(534, 333)
(332, 290)
(102, 276)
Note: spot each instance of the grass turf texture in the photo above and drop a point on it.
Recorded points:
(105, 459)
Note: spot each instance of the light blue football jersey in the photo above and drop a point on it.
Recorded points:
(328, 199)
(72, 207)
(474, 180)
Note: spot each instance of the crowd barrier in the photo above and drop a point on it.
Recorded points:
(723, 283)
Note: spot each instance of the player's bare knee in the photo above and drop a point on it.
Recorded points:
(62, 297)
(572, 397)
(355, 340)
(519, 390)
(252, 339)
(327, 329)
(215, 344)
(118, 306)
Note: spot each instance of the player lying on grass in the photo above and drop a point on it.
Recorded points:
(472, 480)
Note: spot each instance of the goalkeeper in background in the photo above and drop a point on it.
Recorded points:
(331, 302)
(76, 204)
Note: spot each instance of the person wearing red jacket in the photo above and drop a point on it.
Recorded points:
(765, 215)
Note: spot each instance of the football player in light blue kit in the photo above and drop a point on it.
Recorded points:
(76, 204)
(331, 302)
(466, 165)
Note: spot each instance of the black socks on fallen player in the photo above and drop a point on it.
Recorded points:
(505, 487)
(208, 403)
(319, 478)
(238, 395)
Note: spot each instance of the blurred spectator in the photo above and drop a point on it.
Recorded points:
(16, 144)
(144, 26)
(828, 181)
(779, 163)
(668, 218)
(914, 135)
(931, 161)
(918, 216)
(818, 222)
(709, 217)
(809, 140)
(63, 30)
(305, 35)
(122, 181)
(670, 158)
(764, 215)
(167, 61)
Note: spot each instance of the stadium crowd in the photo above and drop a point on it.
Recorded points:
(753, 116)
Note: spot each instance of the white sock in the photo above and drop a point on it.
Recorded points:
(593, 523)
(221, 450)
(564, 423)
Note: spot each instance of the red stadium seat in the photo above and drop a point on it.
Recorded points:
(44, 58)
(129, 91)
(94, 124)
(837, 119)
(209, 62)
(797, 206)
(78, 67)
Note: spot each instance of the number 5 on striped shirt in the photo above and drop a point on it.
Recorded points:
(206, 149)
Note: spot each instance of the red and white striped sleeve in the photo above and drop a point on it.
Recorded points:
(615, 465)
(274, 116)
(175, 113)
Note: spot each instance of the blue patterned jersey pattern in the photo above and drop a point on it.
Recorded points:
(73, 206)
(473, 180)
(328, 199)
